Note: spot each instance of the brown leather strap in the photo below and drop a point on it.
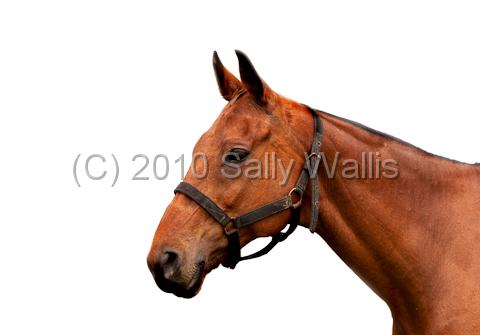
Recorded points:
(263, 212)
(314, 162)
(203, 201)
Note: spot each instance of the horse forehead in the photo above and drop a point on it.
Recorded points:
(235, 122)
(239, 120)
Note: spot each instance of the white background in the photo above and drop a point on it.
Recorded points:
(136, 77)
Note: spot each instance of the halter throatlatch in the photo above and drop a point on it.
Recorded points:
(293, 201)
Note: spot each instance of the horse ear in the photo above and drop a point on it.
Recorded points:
(228, 84)
(250, 78)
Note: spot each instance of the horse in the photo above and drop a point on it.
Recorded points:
(404, 220)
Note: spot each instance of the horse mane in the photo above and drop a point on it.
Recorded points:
(398, 140)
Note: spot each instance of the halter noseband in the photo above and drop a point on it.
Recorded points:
(293, 200)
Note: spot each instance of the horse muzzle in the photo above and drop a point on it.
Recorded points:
(173, 275)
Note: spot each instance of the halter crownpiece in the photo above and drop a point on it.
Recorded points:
(293, 201)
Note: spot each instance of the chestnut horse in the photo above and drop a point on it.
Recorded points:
(409, 228)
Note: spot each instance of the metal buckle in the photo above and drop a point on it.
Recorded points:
(313, 170)
(229, 227)
(299, 193)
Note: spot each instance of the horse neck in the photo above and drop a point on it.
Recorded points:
(383, 227)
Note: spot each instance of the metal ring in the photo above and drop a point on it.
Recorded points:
(299, 192)
(314, 154)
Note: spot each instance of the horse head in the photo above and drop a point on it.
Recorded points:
(254, 124)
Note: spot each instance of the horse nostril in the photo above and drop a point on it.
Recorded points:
(168, 262)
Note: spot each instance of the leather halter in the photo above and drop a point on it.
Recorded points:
(293, 201)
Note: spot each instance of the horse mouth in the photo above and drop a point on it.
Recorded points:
(183, 290)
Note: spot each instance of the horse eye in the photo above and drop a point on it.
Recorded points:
(235, 155)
